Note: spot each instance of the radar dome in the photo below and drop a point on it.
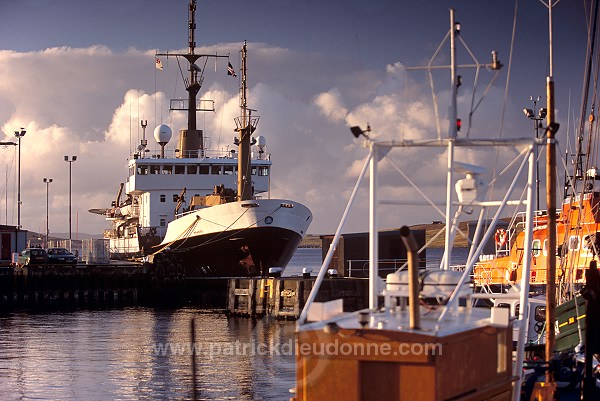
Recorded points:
(261, 141)
(163, 134)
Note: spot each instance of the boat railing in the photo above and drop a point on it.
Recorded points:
(223, 153)
(360, 267)
(540, 218)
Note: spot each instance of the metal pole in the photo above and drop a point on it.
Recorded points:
(373, 230)
(47, 181)
(524, 296)
(19, 134)
(413, 277)
(334, 243)
(19, 187)
(70, 161)
(70, 233)
(452, 132)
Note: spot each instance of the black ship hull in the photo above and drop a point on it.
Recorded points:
(236, 253)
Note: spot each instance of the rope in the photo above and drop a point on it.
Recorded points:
(236, 232)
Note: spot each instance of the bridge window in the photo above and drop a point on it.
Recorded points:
(215, 169)
(154, 169)
(142, 169)
(203, 169)
(228, 170)
(192, 169)
(263, 171)
(168, 169)
(179, 169)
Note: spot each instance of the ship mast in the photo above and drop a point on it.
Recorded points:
(551, 207)
(245, 126)
(191, 142)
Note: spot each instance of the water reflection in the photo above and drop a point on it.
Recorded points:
(143, 354)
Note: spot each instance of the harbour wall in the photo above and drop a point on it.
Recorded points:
(110, 285)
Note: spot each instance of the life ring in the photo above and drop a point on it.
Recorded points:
(501, 237)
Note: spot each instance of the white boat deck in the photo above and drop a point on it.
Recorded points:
(463, 319)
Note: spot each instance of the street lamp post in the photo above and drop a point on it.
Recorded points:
(19, 135)
(47, 181)
(537, 116)
(70, 161)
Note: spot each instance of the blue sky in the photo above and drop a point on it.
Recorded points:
(73, 71)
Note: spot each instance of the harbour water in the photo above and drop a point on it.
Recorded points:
(139, 353)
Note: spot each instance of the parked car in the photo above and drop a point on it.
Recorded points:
(60, 256)
(32, 256)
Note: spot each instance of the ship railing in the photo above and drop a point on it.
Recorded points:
(540, 218)
(224, 153)
(360, 267)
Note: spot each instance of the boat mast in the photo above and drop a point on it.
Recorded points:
(551, 206)
(191, 140)
(246, 124)
(452, 131)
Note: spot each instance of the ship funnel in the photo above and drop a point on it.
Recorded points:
(163, 135)
(190, 143)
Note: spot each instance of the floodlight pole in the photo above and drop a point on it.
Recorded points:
(47, 181)
(70, 161)
(19, 135)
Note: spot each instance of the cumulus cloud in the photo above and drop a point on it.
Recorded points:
(89, 102)
(331, 106)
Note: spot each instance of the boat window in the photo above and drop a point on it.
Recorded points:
(574, 243)
(253, 170)
(215, 169)
(536, 247)
(175, 197)
(192, 169)
(179, 169)
(263, 171)
(154, 169)
(168, 169)
(545, 248)
(203, 169)
(163, 198)
(142, 169)
(228, 170)
(163, 222)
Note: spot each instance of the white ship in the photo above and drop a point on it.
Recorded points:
(209, 210)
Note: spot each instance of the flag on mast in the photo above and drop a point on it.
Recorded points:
(159, 65)
(230, 70)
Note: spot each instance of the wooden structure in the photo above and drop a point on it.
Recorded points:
(284, 298)
(362, 364)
